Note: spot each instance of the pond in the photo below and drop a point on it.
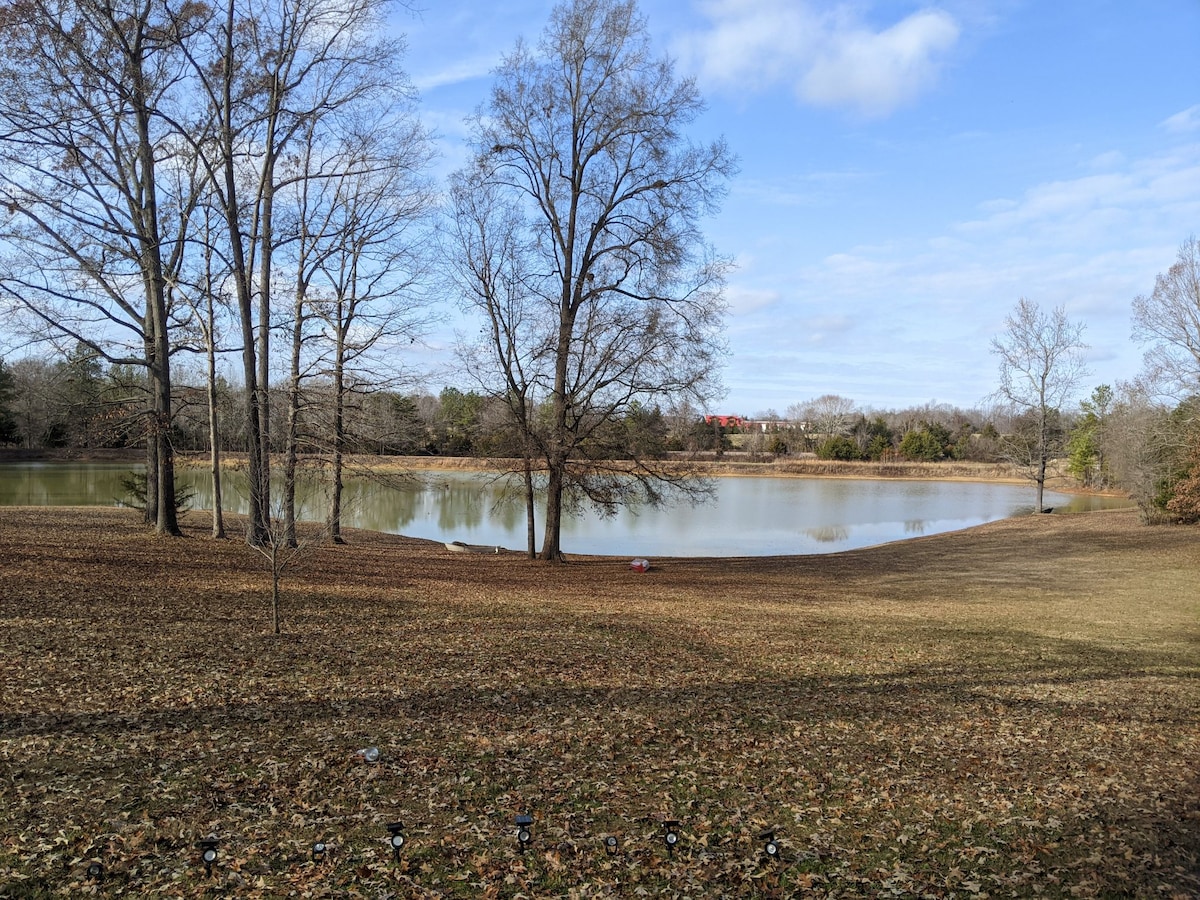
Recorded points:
(750, 516)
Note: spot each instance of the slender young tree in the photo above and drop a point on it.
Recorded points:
(583, 139)
(1041, 367)
(371, 266)
(512, 358)
(209, 308)
(356, 200)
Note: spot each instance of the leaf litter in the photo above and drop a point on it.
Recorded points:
(1005, 712)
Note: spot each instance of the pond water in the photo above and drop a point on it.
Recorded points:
(758, 516)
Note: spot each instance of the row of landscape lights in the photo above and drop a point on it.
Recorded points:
(524, 825)
(210, 845)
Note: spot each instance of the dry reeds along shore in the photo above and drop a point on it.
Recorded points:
(1009, 711)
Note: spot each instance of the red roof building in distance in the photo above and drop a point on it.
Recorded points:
(725, 421)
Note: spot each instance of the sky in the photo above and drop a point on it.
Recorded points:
(908, 172)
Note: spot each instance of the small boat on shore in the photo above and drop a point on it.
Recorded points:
(460, 547)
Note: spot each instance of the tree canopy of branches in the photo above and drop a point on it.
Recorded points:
(1041, 365)
(157, 156)
(268, 77)
(577, 236)
(1169, 321)
(93, 233)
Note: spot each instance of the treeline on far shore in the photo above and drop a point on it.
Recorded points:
(76, 406)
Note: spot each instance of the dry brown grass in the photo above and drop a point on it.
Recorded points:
(1006, 711)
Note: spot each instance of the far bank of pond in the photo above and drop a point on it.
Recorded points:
(753, 515)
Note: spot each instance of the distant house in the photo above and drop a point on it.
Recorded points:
(725, 421)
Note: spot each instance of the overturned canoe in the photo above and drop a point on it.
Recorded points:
(460, 547)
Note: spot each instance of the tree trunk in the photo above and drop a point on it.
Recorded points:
(214, 437)
(266, 244)
(292, 449)
(552, 543)
(156, 302)
(557, 458)
(530, 510)
(150, 500)
(339, 436)
(259, 496)
(160, 383)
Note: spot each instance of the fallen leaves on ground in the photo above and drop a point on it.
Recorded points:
(1005, 712)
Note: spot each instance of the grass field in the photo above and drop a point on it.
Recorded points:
(1010, 711)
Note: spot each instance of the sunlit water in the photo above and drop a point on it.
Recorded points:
(748, 517)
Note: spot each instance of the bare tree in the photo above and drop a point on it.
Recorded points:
(281, 554)
(209, 305)
(827, 416)
(267, 73)
(1169, 321)
(95, 241)
(513, 357)
(370, 265)
(583, 141)
(1041, 366)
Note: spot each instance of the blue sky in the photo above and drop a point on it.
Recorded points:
(908, 172)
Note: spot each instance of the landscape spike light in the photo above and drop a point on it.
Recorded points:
(319, 850)
(524, 831)
(208, 851)
(95, 871)
(396, 839)
(610, 845)
(771, 846)
(671, 835)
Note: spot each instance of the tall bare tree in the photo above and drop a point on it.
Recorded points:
(201, 291)
(266, 74)
(583, 139)
(513, 357)
(371, 266)
(1041, 367)
(357, 256)
(1169, 321)
(84, 88)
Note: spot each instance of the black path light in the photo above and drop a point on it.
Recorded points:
(208, 851)
(95, 871)
(671, 835)
(396, 839)
(319, 849)
(524, 830)
(770, 845)
(610, 844)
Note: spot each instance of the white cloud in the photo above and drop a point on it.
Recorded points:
(457, 72)
(1083, 210)
(1183, 122)
(833, 59)
(920, 306)
(877, 72)
(743, 300)
(806, 190)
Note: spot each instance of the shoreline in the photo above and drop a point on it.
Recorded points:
(729, 466)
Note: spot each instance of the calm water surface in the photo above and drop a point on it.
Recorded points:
(749, 517)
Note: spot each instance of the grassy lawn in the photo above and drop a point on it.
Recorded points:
(1010, 711)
